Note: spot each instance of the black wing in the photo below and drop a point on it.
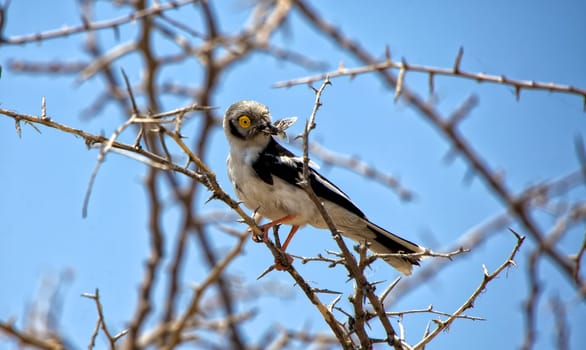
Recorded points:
(275, 160)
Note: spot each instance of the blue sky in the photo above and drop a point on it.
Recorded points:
(45, 175)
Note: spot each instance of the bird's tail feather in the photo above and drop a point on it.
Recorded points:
(385, 242)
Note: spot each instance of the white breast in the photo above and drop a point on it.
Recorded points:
(271, 201)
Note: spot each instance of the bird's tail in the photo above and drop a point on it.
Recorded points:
(385, 242)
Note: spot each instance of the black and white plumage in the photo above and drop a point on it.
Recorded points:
(266, 179)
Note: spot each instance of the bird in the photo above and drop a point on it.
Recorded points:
(267, 179)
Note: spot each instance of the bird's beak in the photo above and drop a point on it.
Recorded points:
(270, 129)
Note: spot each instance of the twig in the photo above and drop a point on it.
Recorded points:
(107, 146)
(101, 322)
(562, 328)
(91, 139)
(578, 261)
(30, 339)
(320, 258)
(441, 325)
(471, 238)
(530, 305)
(359, 318)
(93, 26)
(388, 290)
(426, 253)
(153, 263)
(195, 302)
(430, 309)
(57, 67)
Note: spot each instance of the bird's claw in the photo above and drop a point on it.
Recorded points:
(257, 238)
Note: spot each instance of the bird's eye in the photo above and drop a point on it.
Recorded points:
(244, 121)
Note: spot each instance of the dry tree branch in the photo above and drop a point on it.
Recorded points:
(531, 303)
(350, 261)
(427, 253)
(152, 67)
(57, 67)
(113, 91)
(562, 328)
(153, 263)
(431, 310)
(359, 319)
(404, 67)
(297, 58)
(108, 145)
(88, 26)
(578, 262)
(535, 290)
(318, 341)
(98, 64)
(40, 327)
(26, 339)
(91, 140)
(340, 333)
(319, 257)
(207, 53)
(477, 235)
(204, 176)
(441, 325)
(101, 322)
(195, 302)
(447, 129)
(470, 239)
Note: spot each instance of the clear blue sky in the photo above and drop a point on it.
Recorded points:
(45, 175)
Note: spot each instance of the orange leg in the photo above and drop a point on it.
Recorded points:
(266, 227)
(278, 265)
(289, 237)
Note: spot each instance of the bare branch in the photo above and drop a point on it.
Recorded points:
(404, 67)
(102, 321)
(441, 325)
(194, 305)
(39, 342)
(93, 26)
(350, 261)
(431, 310)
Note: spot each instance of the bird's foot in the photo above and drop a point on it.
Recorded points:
(264, 237)
(257, 238)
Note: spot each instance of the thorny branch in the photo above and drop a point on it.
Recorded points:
(88, 26)
(427, 111)
(24, 338)
(350, 262)
(432, 72)
(101, 322)
(441, 325)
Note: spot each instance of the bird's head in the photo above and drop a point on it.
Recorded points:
(250, 122)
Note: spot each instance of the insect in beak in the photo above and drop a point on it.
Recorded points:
(279, 127)
(270, 129)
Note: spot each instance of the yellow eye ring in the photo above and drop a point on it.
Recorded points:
(244, 121)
